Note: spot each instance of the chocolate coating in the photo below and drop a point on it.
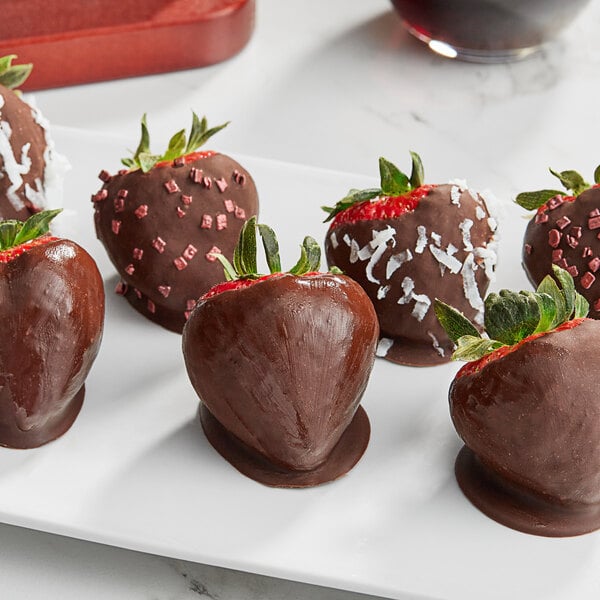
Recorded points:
(532, 420)
(282, 366)
(157, 283)
(417, 339)
(574, 245)
(22, 139)
(52, 302)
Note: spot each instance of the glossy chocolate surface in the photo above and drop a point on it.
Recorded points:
(411, 337)
(52, 302)
(532, 419)
(20, 132)
(566, 234)
(159, 227)
(283, 364)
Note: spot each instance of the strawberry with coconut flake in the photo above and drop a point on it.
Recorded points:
(564, 232)
(280, 363)
(163, 218)
(527, 409)
(30, 170)
(407, 242)
(51, 327)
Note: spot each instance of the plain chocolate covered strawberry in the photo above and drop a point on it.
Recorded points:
(407, 242)
(280, 363)
(52, 315)
(164, 218)
(30, 170)
(564, 232)
(528, 410)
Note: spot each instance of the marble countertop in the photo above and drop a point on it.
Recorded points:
(334, 85)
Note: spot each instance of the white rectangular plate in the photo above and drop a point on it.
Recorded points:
(136, 471)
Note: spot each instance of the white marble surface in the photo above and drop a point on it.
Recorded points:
(332, 84)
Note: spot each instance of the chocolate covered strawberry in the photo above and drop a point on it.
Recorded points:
(528, 410)
(407, 242)
(30, 170)
(163, 219)
(564, 232)
(52, 315)
(280, 363)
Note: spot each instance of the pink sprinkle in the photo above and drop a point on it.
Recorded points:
(187, 314)
(104, 176)
(159, 245)
(138, 253)
(196, 175)
(240, 213)
(221, 222)
(190, 304)
(594, 264)
(573, 242)
(165, 290)
(563, 222)
(576, 232)
(123, 171)
(129, 269)
(151, 307)
(206, 222)
(557, 255)
(221, 184)
(587, 251)
(171, 186)
(239, 178)
(121, 288)
(141, 211)
(207, 182)
(528, 248)
(187, 200)
(573, 271)
(594, 222)
(179, 161)
(229, 205)
(122, 194)
(563, 264)
(119, 204)
(101, 195)
(541, 217)
(138, 293)
(554, 236)
(555, 202)
(180, 263)
(189, 252)
(597, 304)
(595, 213)
(587, 280)
(116, 226)
(180, 212)
(213, 250)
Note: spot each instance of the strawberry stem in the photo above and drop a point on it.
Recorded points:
(14, 233)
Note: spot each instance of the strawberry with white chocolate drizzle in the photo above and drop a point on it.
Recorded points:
(407, 242)
(565, 232)
(163, 218)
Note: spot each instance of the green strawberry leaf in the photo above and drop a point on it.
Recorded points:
(393, 181)
(549, 286)
(571, 180)
(350, 199)
(454, 322)
(146, 162)
(471, 348)
(582, 307)
(12, 76)
(13, 232)
(510, 316)
(313, 253)
(568, 289)
(244, 255)
(228, 269)
(547, 308)
(533, 200)
(271, 246)
(597, 175)
(417, 175)
(176, 146)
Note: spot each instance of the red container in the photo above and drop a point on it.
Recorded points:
(76, 41)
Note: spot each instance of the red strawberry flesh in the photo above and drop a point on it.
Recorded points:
(12, 253)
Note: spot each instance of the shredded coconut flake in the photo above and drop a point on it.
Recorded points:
(480, 213)
(490, 259)
(465, 229)
(422, 304)
(437, 238)
(382, 292)
(408, 285)
(455, 195)
(396, 261)
(383, 347)
(470, 288)
(379, 244)
(333, 239)
(421, 239)
(445, 259)
(436, 344)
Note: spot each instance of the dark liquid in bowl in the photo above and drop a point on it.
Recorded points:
(489, 25)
